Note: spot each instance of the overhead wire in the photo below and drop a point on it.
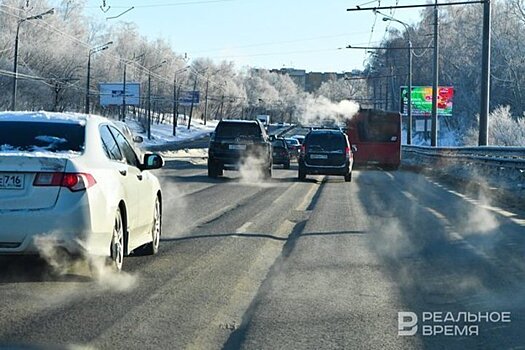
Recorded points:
(172, 4)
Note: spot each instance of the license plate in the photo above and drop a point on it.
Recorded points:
(242, 147)
(11, 181)
(318, 156)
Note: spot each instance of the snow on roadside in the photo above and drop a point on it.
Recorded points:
(163, 133)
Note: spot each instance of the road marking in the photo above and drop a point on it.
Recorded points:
(244, 228)
(285, 228)
(505, 213)
(307, 199)
(449, 228)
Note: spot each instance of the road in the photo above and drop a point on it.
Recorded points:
(282, 264)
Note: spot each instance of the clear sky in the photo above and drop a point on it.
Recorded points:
(303, 34)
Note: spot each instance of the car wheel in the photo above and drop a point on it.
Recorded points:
(117, 242)
(348, 177)
(156, 230)
(302, 175)
(212, 169)
(267, 171)
(220, 170)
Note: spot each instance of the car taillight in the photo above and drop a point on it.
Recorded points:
(347, 152)
(73, 181)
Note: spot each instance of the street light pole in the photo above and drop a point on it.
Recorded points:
(410, 49)
(92, 51)
(176, 91)
(149, 95)
(15, 60)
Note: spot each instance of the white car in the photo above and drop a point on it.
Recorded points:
(75, 180)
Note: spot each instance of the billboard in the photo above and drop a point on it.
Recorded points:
(111, 94)
(422, 100)
(186, 97)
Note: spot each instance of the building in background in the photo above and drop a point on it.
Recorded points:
(311, 81)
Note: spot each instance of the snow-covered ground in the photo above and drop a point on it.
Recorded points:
(445, 138)
(163, 133)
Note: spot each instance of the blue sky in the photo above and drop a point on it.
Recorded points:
(307, 34)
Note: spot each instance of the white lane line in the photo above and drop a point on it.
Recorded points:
(449, 228)
(244, 228)
(285, 228)
(505, 213)
(307, 199)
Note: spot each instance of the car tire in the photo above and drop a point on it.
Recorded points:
(117, 248)
(268, 171)
(348, 177)
(212, 169)
(152, 248)
(301, 175)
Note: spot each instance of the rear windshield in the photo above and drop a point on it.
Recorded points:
(278, 144)
(292, 142)
(41, 136)
(233, 130)
(326, 141)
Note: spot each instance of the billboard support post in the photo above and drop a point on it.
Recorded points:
(433, 138)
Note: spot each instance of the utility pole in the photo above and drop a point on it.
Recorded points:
(175, 105)
(91, 52)
(435, 86)
(149, 95)
(485, 77)
(206, 101)
(15, 60)
(123, 117)
(192, 101)
(222, 105)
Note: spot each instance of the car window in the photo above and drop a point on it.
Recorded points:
(278, 144)
(326, 141)
(232, 130)
(127, 150)
(41, 136)
(109, 144)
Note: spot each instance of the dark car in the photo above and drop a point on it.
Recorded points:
(293, 146)
(280, 153)
(326, 152)
(234, 142)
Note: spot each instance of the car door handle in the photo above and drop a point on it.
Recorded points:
(139, 176)
(123, 172)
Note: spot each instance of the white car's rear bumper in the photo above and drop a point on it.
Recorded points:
(66, 225)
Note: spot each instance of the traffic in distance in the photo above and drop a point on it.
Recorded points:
(235, 211)
(77, 185)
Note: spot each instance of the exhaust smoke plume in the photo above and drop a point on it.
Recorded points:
(322, 111)
(251, 170)
(62, 264)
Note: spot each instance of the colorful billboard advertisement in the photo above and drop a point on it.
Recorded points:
(422, 100)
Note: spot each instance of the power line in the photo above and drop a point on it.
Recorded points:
(185, 3)
(415, 6)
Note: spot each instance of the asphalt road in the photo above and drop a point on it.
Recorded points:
(321, 264)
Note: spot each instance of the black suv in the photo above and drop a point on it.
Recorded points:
(326, 152)
(235, 141)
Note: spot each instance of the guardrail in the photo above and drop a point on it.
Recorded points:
(488, 155)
